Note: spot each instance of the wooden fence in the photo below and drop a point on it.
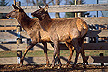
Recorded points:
(98, 30)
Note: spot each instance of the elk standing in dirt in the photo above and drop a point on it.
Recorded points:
(33, 29)
(71, 31)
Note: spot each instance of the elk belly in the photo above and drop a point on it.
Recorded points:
(64, 38)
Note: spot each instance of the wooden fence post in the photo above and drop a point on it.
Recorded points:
(79, 2)
(101, 58)
(19, 40)
(87, 38)
(19, 55)
(97, 28)
(75, 12)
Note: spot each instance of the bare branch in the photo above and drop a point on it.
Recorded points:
(44, 2)
(53, 2)
(50, 2)
(33, 2)
(37, 2)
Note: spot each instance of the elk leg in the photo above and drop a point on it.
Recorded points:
(82, 51)
(84, 58)
(71, 48)
(55, 52)
(77, 54)
(45, 51)
(78, 49)
(27, 49)
(58, 55)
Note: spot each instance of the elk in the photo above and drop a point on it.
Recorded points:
(70, 31)
(33, 29)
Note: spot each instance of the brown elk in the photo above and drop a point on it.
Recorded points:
(33, 29)
(71, 31)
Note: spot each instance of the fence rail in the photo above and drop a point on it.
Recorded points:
(88, 20)
(39, 46)
(61, 8)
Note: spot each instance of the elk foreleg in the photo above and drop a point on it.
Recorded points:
(56, 51)
(27, 49)
(45, 51)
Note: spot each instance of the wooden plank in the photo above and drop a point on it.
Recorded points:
(61, 8)
(8, 28)
(42, 60)
(96, 46)
(96, 20)
(97, 33)
(103, 33)
(13, 47)
(89, 46)
(39, 46)
(8, 22)
(8, 35)
(89, 20)
(36, 60)
(91, 33)
(12, 35)
(97, 59)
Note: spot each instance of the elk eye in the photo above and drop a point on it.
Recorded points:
(13, 11)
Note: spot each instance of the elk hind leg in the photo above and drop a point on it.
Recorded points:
(71, 48)
(45, 51)
(76, 45)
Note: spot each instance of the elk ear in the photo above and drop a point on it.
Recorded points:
(46, 8)
(40, 7)
(15, 7)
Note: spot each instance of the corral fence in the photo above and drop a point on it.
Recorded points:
(11, 34)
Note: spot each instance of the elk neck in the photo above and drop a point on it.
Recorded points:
(24, 20)
(45, 23)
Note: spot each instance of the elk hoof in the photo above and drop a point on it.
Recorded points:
(21, 64)
(59, 67)
(52, 66)
(65, 66)
(46, 65)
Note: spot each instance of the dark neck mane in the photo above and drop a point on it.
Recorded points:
(24, 20)
(45, 22)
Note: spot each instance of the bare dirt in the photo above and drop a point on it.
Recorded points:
(42, 68)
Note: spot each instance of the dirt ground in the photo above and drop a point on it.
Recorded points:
(42, 68)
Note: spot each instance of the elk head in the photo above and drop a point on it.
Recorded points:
(40, 13)
(14, 13)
